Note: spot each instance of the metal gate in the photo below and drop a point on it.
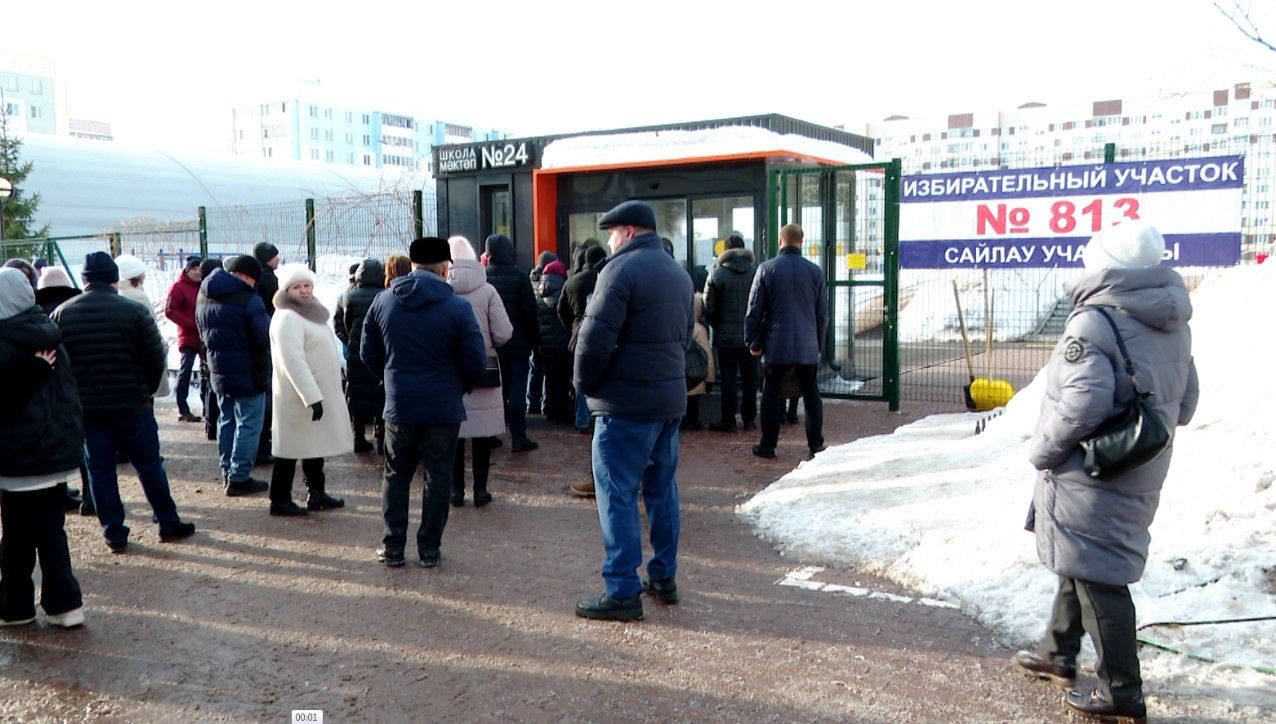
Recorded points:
(850, 219)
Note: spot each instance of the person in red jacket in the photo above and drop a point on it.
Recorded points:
(181, 310)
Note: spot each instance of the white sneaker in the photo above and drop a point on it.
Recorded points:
(70, 619)
(16, 621)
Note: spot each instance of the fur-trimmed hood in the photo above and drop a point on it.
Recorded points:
(311, 309)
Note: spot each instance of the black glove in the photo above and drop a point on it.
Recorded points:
(318, 408)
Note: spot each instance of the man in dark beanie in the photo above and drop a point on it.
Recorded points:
(267, 255)
(516, 293)
(424, 342)
(236, 331)
(117, 357)
(180, 310)
(631, 363)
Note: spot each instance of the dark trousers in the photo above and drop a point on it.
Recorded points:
(557, 367)
(34, 523)
(184, 380)
(284, 471)
(1107, 614)
(138, 437)
(773, 404)
(733, 361)
(263, 438)
(514, 392)
(482, 447)
(211, 411)
(535, 382)
(407, 446)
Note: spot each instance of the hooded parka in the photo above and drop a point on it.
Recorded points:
(1086, 528)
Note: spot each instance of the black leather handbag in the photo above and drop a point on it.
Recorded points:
(491, 376)
(1131, 438)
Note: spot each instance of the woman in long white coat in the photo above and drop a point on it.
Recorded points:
(132, 287)
(484, 408)
(309, 419)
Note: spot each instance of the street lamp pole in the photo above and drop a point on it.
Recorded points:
(6, 189)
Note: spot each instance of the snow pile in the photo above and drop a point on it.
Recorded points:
(648, 146)
(937, 508)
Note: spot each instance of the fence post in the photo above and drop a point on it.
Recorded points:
(310, 233)
(116, 246)
(418, 215)
(203, 232)
(890, 290)
(1109, 153)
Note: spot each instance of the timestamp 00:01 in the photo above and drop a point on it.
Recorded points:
(307, 716)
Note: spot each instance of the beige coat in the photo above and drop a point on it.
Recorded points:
(135, 294)
(484, 408)
(701, 337)
(306, 370)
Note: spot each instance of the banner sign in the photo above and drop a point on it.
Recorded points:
(1042, 217)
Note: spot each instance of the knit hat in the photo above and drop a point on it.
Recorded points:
(1128, 245)
(16, 294)
(461, 248)
(27, 270)
(54, 276)
(429, 250)
(244, 264)
(99, 267)
(630, 213)
(264, 252)
(555, 267)
(130, 266)
(191, 261)
(290, 274)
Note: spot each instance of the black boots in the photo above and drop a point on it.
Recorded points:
(1094, 705)
(319, 500)
(1064, 675)
(606, 608)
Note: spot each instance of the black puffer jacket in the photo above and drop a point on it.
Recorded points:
(41, 426)
(516, 293)
(364, 391)
(114, 349)
(554, 336)
(50, 298)
(726, 297)
(580, 285)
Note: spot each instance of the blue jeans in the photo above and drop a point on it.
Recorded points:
(183, 390)
(514, 390)
(239, 433)
(138, 437)
(406, 447)
(582, 410)
(632, 457)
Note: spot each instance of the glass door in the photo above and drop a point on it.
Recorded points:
(712, 221)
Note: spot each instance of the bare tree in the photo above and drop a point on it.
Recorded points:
(1239, 13)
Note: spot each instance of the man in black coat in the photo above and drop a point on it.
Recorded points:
(364, 392)
(515, 289)
(785, 326)
(117, 357)
(726, 299)
(267, 255)
(571, 310)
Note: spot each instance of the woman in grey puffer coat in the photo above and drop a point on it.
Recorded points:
(1094, 532)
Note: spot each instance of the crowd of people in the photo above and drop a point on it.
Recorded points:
(438, 347)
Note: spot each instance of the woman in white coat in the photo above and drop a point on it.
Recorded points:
(132, 287)
(484, 408)
(309, 419)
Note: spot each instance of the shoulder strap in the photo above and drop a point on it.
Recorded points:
(1125, 354)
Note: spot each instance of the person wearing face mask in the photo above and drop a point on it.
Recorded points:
(630, 362)
(309, 418)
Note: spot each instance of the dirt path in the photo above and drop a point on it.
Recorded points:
(257, 616)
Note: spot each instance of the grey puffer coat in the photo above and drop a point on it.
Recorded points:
(1097, 530)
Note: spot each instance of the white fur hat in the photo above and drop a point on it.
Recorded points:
(1128, 245)
(130, 266)
(461, 248)
(290, 274)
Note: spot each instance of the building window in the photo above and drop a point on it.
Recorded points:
(314, 111)
(367, 158)
(1218, 128)
(314, 134)
(11, 83)
(327, 156)
(314, 154)
(327, 113)
(265, 133)
(366, 120)
(37, 87)
(36, 111)
(367, 140)
(350, 138)
(350, 158)
(327, 136)
(349, 117)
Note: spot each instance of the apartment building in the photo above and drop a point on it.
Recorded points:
(29, 94)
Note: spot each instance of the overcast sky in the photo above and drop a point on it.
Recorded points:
(167, 73)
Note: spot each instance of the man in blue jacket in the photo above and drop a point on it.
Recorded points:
(631, 364)
(788, 313)
(425, 343)
(235, 328)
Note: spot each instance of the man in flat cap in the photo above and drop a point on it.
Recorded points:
(424, 342)
(235, 328)
(631, 364)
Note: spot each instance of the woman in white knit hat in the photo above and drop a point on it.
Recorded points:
(484, 408)
(1093, 532)
(309, 418)
(131, 287)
